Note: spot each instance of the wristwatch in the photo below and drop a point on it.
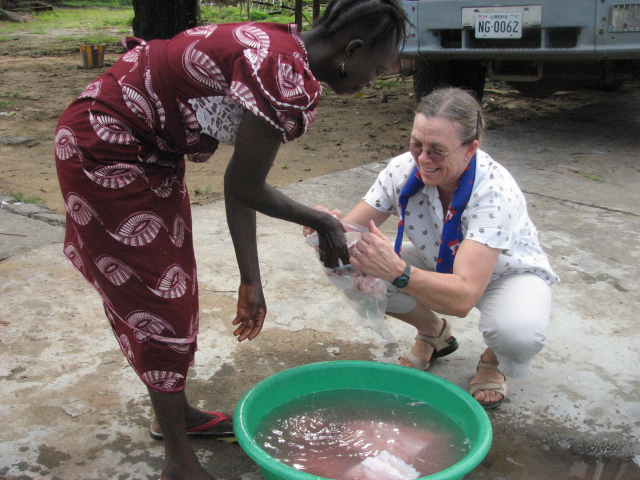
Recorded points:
(403, 280)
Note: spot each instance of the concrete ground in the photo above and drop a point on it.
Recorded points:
(71, 408)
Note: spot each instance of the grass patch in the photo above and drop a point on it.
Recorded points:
(107, 21)
(259, 13)
(392, 84)
(95, 3)
(592, 177)
(203, 191)
(65, 28)
(22, 198)
(67, 18)
(96, 17)
(99, 17)
(98, 39)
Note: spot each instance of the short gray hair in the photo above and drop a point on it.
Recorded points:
(458, 106)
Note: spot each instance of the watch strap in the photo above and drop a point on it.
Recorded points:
(403, 279)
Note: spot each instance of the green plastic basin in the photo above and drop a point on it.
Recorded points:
(277, 389)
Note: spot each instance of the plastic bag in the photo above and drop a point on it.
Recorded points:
(366, 294)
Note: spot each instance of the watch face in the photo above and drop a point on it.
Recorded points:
(401, 282)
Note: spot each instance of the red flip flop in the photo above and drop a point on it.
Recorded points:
(204, 430)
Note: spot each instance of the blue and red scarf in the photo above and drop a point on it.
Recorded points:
(452, 230)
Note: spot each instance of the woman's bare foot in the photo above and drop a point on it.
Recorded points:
(180, 460)
(175, 472)
(488, 375)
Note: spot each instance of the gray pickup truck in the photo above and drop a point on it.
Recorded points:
(538, 48)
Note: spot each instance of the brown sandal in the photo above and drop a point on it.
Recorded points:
(441, 347)
(500, 387)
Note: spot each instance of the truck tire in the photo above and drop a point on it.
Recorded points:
(541, 89)
(465, 74)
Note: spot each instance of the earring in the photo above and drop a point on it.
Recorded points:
(343, 72)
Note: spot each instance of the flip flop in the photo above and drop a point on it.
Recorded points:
(204, 430)
(499, 387)
(441, 348)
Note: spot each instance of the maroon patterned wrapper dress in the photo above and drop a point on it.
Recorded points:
(120, 152)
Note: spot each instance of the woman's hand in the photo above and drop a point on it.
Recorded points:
(306, 231)
(374, 255)
(252, 310)
(333, 244)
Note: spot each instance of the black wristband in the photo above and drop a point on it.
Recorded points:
(403, 280)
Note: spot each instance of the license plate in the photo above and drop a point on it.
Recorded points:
(499, 25)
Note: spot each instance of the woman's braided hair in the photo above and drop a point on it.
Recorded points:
(375, 20)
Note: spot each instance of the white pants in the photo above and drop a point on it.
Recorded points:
(514, 314)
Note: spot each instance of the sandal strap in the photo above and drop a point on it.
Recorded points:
(441, 347)
(438, 343)
(494, 387)
(416, 361)
(490, 366)
(220, 417)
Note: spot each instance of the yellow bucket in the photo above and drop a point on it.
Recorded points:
(92, 55)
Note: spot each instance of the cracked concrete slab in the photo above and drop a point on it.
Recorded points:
(24, 227)
(72, 409)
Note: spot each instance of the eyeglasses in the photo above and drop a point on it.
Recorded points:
(435, 155)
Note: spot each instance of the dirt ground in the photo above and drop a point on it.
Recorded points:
(349, 131)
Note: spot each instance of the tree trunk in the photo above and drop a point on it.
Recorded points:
(164, 18)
